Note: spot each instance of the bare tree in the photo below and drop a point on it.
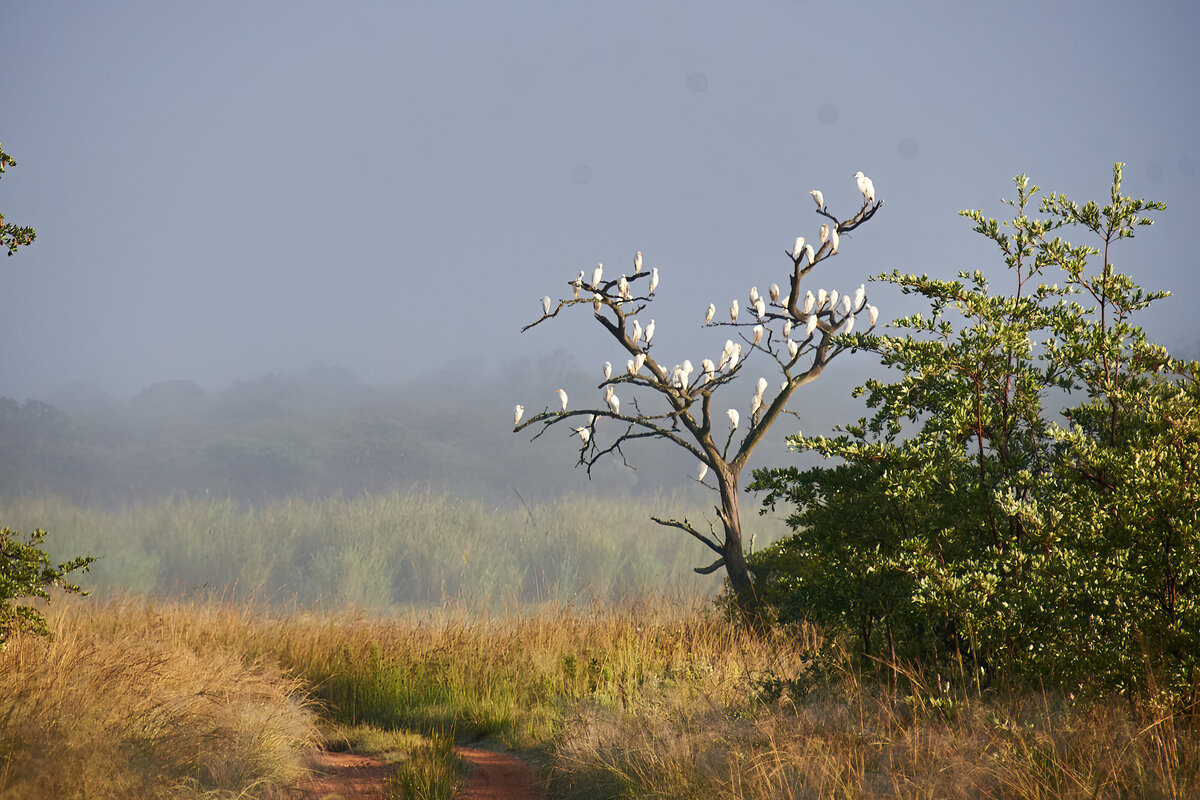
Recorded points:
(797, 333)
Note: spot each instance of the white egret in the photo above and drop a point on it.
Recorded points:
(728, 348)
(833, 298)
(822, 296)
(576, 285)
(872, 315)
(753, 295)
(708, 315)
(637, 331)
(865, 186)
(639, 361)
(849, 324)
(623, 287)
(677, 377)
(808, 251)
(546, 305)
(760, 308)
(787, 329)
(833, 239)
(755, 405)
(818, 198)
(688, 369)
(653, 280)
(846, 304)
(700, 473)
(733, 311)
(734, 417)
(629, 367)
(774, 292)
(562, 396)
(614, 403)
(758, 333)
(710, 369)
(597, 274)
(596, 303)
(649, 332)
(584, 434)
(735, 356)
(824, 233)
(761, 386)
(607, 370)
(810, 326)
(518, 412)
(637, 262)
(793, 348)
(809, 301)
(798, 247)
(860, 296)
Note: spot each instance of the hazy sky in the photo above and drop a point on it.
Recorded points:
(222, 189)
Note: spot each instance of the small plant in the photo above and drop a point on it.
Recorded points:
(26, 572)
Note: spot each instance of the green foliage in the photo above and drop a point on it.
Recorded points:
(12, 236)
(965, 521)
(27, 573)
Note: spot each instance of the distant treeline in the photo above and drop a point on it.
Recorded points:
(314, 434)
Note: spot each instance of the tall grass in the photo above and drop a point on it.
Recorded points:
(381, 551)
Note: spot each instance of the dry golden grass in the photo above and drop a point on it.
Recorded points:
(659, 699)
(109, 709)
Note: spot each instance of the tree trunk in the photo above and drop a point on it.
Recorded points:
(735, 558)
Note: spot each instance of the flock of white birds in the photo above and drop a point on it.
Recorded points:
(765, 312)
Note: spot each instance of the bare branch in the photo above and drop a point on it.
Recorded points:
(686, 527)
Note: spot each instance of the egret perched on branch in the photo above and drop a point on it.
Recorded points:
(818, 198)
(849, 323)
(639, 361)
(798, 247)
(687, 370)
(824, 233)
(597, 274)
(833, 239)
(562, 396)
(774, 292)
(860, 296)
(734, 417)
(637, 331)
(808, 251)
(735, 356)
(607, 370)
(833, 298)
(758, 333)
(623, 287)
(596, 303)
(733, 310)
(793, 348)
(760, 309)
(872, 315)
(649, 332)
(755, 405)
(637, 262)
(614, 402)
(545, 305)
(809, 301)
(865, 186)
(846, 304)
(700, 473)
(710, 369)
(518, 412)
(753, 295)
(811, 325)
(822, 296)
(584, 434)
(708, 315)
(653, 280)
(578, 284)
(787, 328)
(760, 387)
(629, 367)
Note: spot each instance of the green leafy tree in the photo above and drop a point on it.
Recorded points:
(25, 569)
(965, 520)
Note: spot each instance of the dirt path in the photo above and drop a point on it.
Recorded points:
(346, 776)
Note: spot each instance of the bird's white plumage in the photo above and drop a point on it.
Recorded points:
(824, 233)
(758, 333)
(761, 386)
(733, 311)
(808, 251)
(629, 367)
(562, 396)
(755, 404)
(653, 280)
(546, 305)
(614, 403)
(637, 331)
(774, 292)
(793, 348)
(607, 370)
(872, 315)
(818, 198)
(833, 298)
(596, 303)
(639, 361)
(708, 315)
(809, 301)
(518, 412)
(760, 308)
(865, 186)
(734, 417)
(753, 295)
(787, 329)
(860, 296)
(584, 434)
(810, 325)
(623, 287)
(702, 471)
(798, 247)
(847, 304)
(637, 262)
(833, 239)
(597, 274)
(849, 326)
(649, 332)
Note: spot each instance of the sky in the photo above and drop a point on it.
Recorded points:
(223, 189)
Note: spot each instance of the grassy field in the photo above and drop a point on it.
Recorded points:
(416, 548)
(657, 699)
